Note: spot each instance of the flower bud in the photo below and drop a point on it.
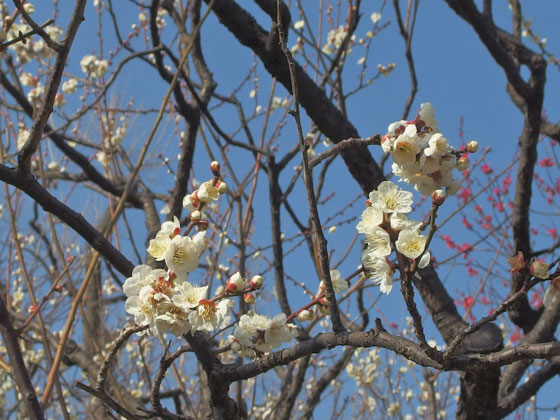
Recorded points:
(32, 309)
(539, 269)
(235, 346)
(249, 299)
(462, 164)
(222, 187)
(472, 146)
(305, 315)
(196, 216)
(58, 288)
(256, 282)
(438, 197)
(215, 168)
(236, 283)
(517, 262)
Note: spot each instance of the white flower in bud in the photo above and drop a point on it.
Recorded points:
(397, 125)
(438, 197)
(426, 114)
(387, 144)
(305, 315)
(539, 269)
(236, 283)
(438, 145)
(256, 281)
(472, 146)
(462, 164)
(215, 167)
(222, 187)
(196, 215)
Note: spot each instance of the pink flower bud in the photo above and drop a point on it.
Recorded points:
(517, 262)
(32, 309)
(472, 146)
(249, 298)
(236, 283)
(215, 168)
(438, 197)
(256, 282)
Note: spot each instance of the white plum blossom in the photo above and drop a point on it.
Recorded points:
(182, 254)
(158, 246)
(278, 332)
(371, 216)
(207, 192)
(405, 150)
(400, 221)
(92, 66)
(378, 270)
(378, 241)
(411, 243)
(422, 156)
(438, 145)
(209, 315)
(390, 199)
(263, 333)
(188, 296)
(426, 114)
(339, 284)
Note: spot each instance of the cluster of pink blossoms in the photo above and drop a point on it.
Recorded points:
(422, 156)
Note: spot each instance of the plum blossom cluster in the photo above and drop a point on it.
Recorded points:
(259, 333)
(385, 225)
(422, 156)
(335, 38)
(165, 301)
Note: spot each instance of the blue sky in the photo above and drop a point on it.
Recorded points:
(455, 72)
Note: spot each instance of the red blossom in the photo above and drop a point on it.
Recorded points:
(546, 162)
(486, 169)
